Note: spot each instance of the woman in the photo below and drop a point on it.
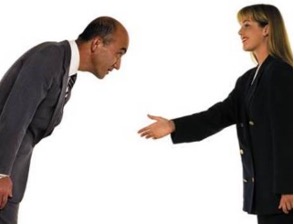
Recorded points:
(261, 106)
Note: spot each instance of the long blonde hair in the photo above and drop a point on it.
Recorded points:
(278, 43)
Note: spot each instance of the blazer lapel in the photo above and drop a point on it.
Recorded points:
(252, 87)
(249, 88)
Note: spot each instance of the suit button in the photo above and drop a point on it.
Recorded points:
(251, 123)
(241, 151)
(252, 179)
(241, 125)
(244, 180)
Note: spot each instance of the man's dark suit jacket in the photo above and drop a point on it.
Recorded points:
(263, 114)
(32, 95)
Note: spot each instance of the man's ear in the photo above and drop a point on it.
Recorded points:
(96, 43)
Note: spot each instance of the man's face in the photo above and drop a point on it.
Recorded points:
(106, 57)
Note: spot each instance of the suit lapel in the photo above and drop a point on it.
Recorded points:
(61, 99)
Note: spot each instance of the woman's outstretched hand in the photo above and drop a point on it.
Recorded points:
(160, 128)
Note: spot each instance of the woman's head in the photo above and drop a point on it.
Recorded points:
(269, 17)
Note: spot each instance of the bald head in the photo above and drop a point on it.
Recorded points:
(103, 27)
(102, 45)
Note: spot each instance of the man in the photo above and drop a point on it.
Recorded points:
(34, 91)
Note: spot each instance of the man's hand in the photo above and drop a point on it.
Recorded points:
(286, 203)
(158, 129)
(5, 190)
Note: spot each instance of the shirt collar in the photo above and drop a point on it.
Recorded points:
(75, 58)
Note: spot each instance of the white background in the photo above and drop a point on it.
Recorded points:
(183, 57)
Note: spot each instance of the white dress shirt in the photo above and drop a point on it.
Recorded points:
(75, 58)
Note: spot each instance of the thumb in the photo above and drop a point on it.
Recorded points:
(153, 117)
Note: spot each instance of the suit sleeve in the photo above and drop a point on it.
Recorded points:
(198, 126)
(281, 121)
(28, 91)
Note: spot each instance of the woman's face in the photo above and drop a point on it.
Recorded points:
(253, 36)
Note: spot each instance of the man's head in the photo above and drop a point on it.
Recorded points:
(101, 46)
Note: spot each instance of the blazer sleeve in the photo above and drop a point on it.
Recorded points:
(28, 91)
(280, 106)
(198, 126)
